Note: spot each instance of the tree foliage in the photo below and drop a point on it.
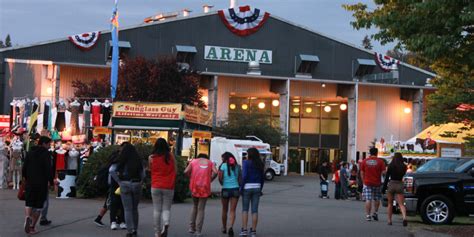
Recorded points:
(438, 32)
(251, 124)
(7, 43)
(142, 79)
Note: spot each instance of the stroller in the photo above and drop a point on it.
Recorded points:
(354, 190)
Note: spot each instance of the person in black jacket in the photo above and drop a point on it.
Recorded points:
(37, 176)
(393, 185)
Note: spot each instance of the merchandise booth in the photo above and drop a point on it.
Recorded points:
(139, 122)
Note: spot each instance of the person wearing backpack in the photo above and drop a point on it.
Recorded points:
(252, 185)
(230, 177)
(202, 171)
(163, 177)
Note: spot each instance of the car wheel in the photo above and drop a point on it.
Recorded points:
(269, 175)
(437, 210)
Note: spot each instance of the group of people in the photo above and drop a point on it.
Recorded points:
(375, 178)
(126, 175)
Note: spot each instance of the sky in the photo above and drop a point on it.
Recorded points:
(31, 21)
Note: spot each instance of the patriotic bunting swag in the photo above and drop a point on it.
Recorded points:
(245, 21)
(85, 41)
(386, 63)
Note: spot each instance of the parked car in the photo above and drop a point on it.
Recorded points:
(441, 189)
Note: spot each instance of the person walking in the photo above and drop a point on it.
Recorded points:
(163, 176)
(37, 176)
(44, 213)
(371, 171)
(394, 181)
(129, 175)
(344, 177)
(252, 185)
(323, 179)
(230, 177)
(117, 218)
(337, 182)
(201, 171)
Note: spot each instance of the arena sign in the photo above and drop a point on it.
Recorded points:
(219, 53)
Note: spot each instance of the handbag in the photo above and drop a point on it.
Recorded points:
(21, 192)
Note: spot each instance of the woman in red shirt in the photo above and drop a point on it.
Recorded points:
(163, 175)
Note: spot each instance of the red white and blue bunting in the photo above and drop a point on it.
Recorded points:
(244, 22)
(386, 63)
(85, 41)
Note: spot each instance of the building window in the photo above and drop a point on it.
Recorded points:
(124, 47)
(364, 67)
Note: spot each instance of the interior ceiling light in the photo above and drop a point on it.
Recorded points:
(232, 106)
(343, 107)
(309, 110)
(327, 108)
(261, 105)
(275, 103)
(296, 110)
(245, 106)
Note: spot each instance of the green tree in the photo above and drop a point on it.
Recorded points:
(8, 41)
(251, 124)
(366, 43)
(439, 32)
(2, 45)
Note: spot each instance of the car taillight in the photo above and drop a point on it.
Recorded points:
(408, 183)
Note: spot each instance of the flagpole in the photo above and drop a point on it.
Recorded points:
(115, 52)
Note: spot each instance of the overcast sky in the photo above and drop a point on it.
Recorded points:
(30, 21)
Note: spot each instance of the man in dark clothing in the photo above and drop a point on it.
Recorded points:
(36, 175)
(323, 178)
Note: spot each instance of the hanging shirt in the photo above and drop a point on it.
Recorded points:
(96, 115)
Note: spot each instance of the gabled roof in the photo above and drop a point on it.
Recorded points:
(180, 18)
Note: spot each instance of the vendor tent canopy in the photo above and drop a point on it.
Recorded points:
(445, 133)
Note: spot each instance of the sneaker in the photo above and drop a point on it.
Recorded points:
(243, 233)
(375, 216)
(45, 222)
(368, 218)
(123, 226)
(231, 232)
(164, 233)
(405, 222)
(253, 233)
(113, 226)
(191, 230)
(99, 223)
(197, 234)
(27, 225)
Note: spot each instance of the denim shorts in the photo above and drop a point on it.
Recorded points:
(251, 196)
(230, 193)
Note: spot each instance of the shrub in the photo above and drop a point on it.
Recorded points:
(87, 188)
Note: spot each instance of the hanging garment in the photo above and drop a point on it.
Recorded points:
(17, 113)
(73, 159)
(21, 113)
(61, 117)
(47, 114)
(16, 157)
(12, 113)
(96, 114)
(87, 117)
(106, 115)
(75, 119)
(26, 114)
(60, 159)
(35, 123)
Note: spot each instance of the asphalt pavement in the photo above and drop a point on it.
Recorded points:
(289, 207)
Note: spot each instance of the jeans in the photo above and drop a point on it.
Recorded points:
(162, 200)
(130, 193)
(337, 190)
(116, 208)
(44, 212)
(344, 191)
(251, 196)
(197, 215)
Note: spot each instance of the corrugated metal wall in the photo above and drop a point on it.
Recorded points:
(23, 80)
(70, 73)
(381, 114)
(313, 90)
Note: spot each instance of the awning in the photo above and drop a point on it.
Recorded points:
(445, 133)
(186, 49)
(309, 58)
(366, 62)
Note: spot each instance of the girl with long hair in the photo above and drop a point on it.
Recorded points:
(394, 186)
(129, 175)
(163, 176)
(202, 171)
(252, 185)
(230, 177)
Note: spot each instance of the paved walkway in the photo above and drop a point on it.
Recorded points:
(289, 207)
